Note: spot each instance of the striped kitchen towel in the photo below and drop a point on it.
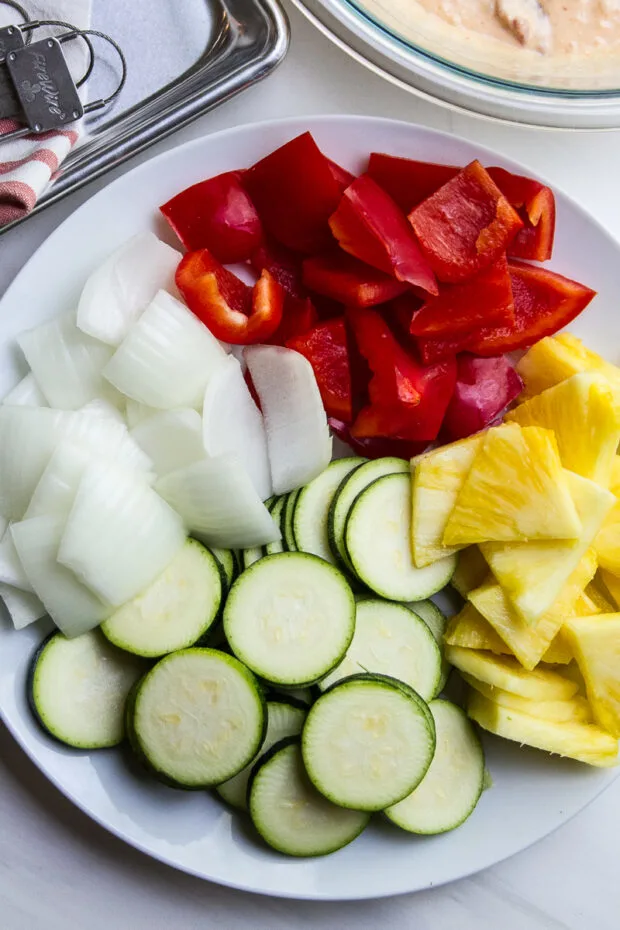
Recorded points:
(28, 165)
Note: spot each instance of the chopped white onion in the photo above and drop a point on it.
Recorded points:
(28, 436)
(11, 569)
(135, 412)
(116, 293)
(219, 503)
(55, 492)
(26, 393)
(66, 363)
(106, 438)
(167, 357)
(298, 439)
(119, 535)
(233, 424)
(73, 608)
(23, 608)
(172, 439)
(104, 409)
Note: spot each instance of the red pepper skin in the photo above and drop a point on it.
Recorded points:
(326, 349)
(299, 315)
(338, 275)
(370, 226)
(295, 192)
(232, 311)
(218, 215)
(544, 302)
(407, 400)
(377, 448)
(408, 182)
(283, 264)
(460, 308)
(535, 204)
(342, 176)
(466, 225)
(484, 389)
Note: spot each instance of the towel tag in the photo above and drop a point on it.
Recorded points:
(45, 89)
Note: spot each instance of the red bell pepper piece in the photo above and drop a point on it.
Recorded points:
(535, 205)
(348, 280)
(459, 308)
(342, 176)
(407, 400)
(283, 264)
(544, 302)
(295, 192)
(466, 225)
(370, 226)
(326, 349)
(484, 389)
(218, 215)
(298, 316)
(378, 447)
(233, 311)
(408, 182)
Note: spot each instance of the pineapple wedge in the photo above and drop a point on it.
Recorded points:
(607, 542)
(559, 651)
(471, 570)
(596, 595)
(596, 644)
(516, 490)
(505, 672)
(437, 478)
(612, 585)
(614, 483)
(556, 358)
(585, 418)
(581, 741)
(574, 710)
(533, 574)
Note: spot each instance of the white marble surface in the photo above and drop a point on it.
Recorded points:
(59, 871)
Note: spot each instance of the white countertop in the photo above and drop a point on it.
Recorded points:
(59, 871)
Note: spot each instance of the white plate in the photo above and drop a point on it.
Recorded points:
(532, 794)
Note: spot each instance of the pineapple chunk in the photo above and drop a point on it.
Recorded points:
(585, 418)
(596, 597)
(614, 482)
(559, 651)
(574, 710)
(585, 605)
(533, 574)
(612, 585)
(596, 643)
(607, 542)
(505, 672)
(581, 741)
(516, 490)
(437, 477)
(556, 358)
(471, 570)
(470, 630)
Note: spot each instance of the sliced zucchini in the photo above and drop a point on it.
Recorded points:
(250, 556)
(198, 717)
(287, 524)
(437, 622)
(312, 508)
(391, 640)
(378, 540)
(226, 559)
(175, 611)
(78, 688)
(350, 487)
(290, 814)
(368, 742)
(284, 719)
(452, 786)
(276, 513)
(290, 618)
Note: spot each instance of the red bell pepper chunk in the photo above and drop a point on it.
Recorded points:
(233, 311)
(535, 204)
(377, 447)
(298, 316)
(459, 308)
(283, 264)
(484, 389)
(218, 215)
(348, 280)
(408, 182)
(295, 192)
(407, 400)
(466, 225)
(326, 349)
(370, 226)
(342, 176)
(544, 302)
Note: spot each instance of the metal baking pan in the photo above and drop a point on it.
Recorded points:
(184, 57)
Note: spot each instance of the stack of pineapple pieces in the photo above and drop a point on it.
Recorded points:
(533, 508)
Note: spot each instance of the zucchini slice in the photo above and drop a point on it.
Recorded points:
(310, 518)
(276, 512)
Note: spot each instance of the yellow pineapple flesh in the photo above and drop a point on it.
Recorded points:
(612, 586)
(572, 710)
(595, 600)
(471, 570)
(581, 741)
(540, 684)
(614, 482)
(470, 630)
(556, 358)
(607, 542)
(533, 574)
(596, 644)
(585, 419)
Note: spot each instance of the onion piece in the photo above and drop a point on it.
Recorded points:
(55, 492)
(119, 535)
(172, 439)
(66, 363)
(26, 393)
(219, 504)
(167, 357)
(233, 424)
(23, 608)
(106, 438)
(135, 412)
(103, 409)
(298, 439)
(28, 436)
(73, 608)
(118, 291)
(11, 569)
